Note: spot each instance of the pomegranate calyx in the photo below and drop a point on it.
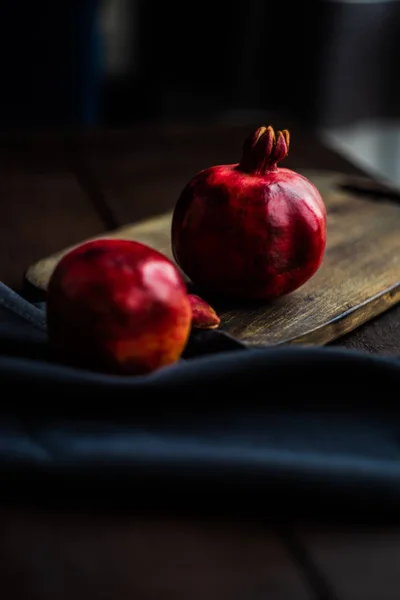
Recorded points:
(263, 149)
(203, 315)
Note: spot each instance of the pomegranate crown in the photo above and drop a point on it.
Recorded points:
(263, 149)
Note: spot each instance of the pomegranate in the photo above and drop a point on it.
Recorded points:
(251, 230)
(118, 305)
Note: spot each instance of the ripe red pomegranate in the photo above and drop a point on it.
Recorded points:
(119, 305)
(252, 229)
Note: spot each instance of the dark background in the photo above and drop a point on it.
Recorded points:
(117, 62)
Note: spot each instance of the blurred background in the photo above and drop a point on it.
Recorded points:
(332, 65)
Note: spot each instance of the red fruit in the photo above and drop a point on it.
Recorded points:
(251, 229)
(203, 315)
(119, 305)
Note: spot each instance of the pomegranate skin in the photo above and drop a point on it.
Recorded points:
(203, 315)
(250, 230)
(118, 306)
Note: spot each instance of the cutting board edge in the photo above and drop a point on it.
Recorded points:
(342, 324)
(37, 276)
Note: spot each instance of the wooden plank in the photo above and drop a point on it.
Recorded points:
(361, 564)
(43, 206)
(357, 280)
(44, 557)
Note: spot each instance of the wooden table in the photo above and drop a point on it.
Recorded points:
(57, 189)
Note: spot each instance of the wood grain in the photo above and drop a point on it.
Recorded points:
(49, 556)
(360, 564)
(359, 277)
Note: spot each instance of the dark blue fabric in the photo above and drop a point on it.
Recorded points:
(291, 430)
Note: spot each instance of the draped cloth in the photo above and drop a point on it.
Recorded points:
(307, 432)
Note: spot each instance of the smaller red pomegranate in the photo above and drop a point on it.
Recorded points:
(251, 230)
(118, 305)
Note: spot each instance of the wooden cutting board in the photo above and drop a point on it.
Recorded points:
(359, 277)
